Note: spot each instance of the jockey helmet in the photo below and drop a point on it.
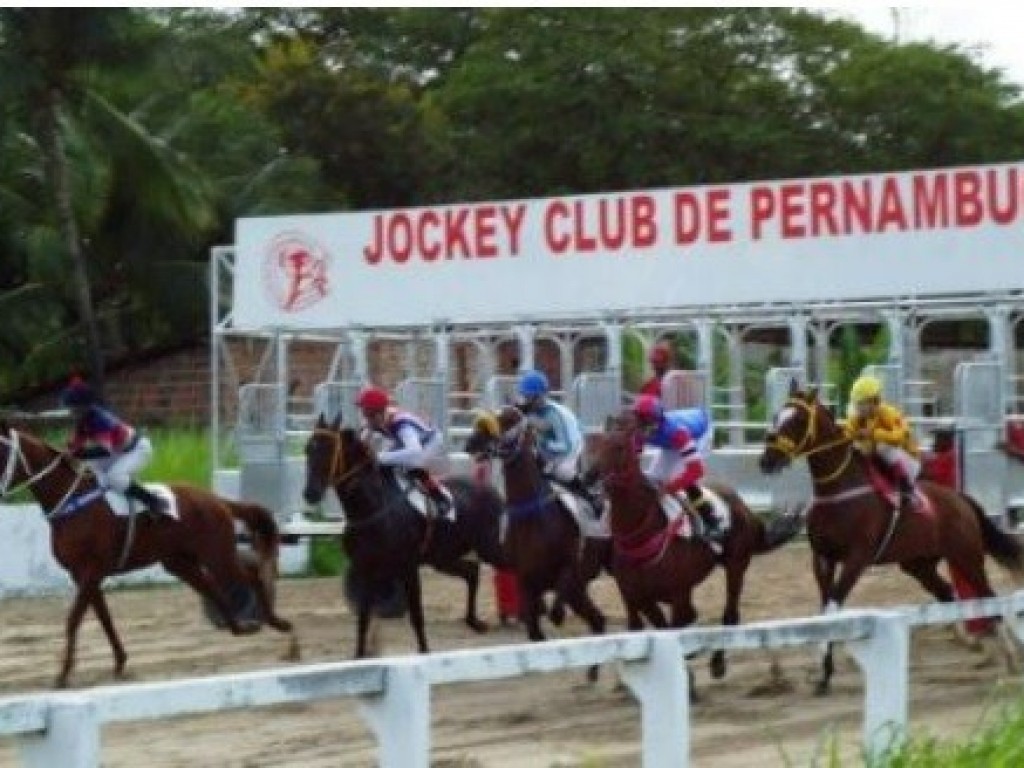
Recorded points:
(77, 393)
(373, 399)
(660, 355)
(533, 384)
(865, 388)
(648, 409)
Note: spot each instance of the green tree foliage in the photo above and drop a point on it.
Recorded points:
(133, 138)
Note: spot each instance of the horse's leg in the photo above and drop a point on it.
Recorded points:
(469, 572)
(824, 575)
(99, 605)
(265, 600)
(88, 585)
(849, 573)
(683, 615)
(200, 580)
(655, 615)
(532, 606)
(414, 597)
(363, 620)
(735, 572)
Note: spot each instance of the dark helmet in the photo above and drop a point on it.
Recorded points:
(77, 394)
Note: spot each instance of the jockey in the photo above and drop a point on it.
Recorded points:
(684, 439)
(114, 449)
(661, 360)
(560, 439)
(879, 428)
(415, 445)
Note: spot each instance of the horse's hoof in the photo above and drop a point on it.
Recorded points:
(557, 614)
(821, 689)
(246, 628)
(294, 653)
(592, 673)
(60, 683)
(718, 665)
(477, 625)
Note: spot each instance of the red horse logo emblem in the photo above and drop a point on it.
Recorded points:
(295, 270)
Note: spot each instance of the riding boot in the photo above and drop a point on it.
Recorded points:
(433, 490)
(581, 489)
(906, 488)
(151, 501)
(702, 505)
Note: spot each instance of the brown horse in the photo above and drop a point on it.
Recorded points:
(652, 564)
(542, 540)
(387, 539)
(852, 527)
(92, 543)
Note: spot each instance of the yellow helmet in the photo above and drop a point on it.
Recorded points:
(864, 388)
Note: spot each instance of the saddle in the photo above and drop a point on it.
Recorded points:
(688, 523)
(436, 502)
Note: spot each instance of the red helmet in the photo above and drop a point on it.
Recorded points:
(647, 409)
(373, 399)
(660, 355)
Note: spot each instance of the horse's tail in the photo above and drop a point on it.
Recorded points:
(1006, 550)
(266, 536)
(777, 531)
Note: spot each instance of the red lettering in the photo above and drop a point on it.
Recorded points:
(762, 209)
(891, 209)
(687, 218)
(486, 231)
(400, 238)
(374, 252)
(857, 205)
(792, 211)
(557, 243)
(612, 228)
(823, 209)
(645, 226)
(514, 217)
(1005, 213)
(931, 201)
(430, 250)
(584, 243)
(455, 236)
(718, 216)
(967, 186)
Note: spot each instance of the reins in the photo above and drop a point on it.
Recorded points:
(16, 459)
(806, 447)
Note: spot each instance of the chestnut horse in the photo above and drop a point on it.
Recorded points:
(542, 540)
(653, 564)
(852, 527)
(91, 542)
(387, 539)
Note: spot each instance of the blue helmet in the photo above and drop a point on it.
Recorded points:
(533, 384)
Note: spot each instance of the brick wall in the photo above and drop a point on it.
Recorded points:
(175, 388)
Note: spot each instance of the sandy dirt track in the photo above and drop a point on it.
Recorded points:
(550, 720)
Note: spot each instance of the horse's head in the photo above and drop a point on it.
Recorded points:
(334, 456)
(616, 457)
(800, 427)
(502, 434)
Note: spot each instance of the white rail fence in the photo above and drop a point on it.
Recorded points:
(63, 728)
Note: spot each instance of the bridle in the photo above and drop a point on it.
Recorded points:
(337, 475)
(808, 445)
(16, 459)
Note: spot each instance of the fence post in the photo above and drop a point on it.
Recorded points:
(400, 716)
(71, 738)
(884, 658)
(662, 686)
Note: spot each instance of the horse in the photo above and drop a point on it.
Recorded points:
(852, 526)
(652, 563)
(542, 541)
(387, 538)
(91, 542)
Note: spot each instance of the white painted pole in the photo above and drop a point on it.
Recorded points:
(400, 716)
(71, 738)
(661, 685)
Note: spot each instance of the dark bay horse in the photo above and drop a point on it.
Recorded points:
(92, 543)
(387, 539)
(851, 527)
(652, 565)
(543, 542)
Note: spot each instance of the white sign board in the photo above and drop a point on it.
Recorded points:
(918, 233)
